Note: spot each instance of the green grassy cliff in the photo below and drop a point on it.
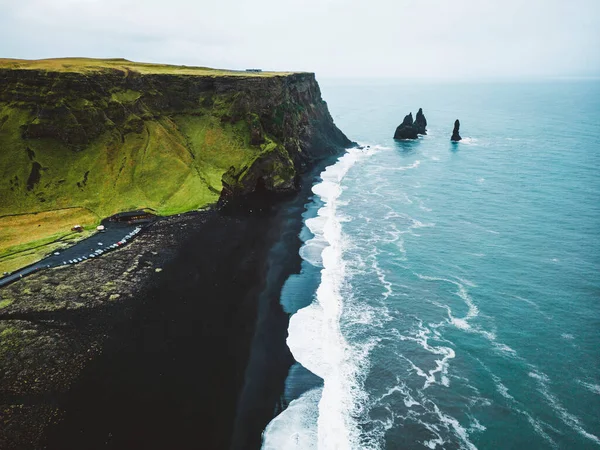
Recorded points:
(83, 139)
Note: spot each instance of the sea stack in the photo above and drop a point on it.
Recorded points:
(455, 136)
(420, 122)
(410, 129)
(406, 130)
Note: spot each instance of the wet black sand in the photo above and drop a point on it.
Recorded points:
(201, 360)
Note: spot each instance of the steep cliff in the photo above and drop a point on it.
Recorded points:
(111, 135)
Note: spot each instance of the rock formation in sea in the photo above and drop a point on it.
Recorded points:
(455, 136)
(410, 129)
(406, 129)
(420, 122)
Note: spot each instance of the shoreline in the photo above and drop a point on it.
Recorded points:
(175, 351)
(270, 358)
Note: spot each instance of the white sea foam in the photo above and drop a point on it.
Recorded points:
(537, 425)
(421, 337)
(445, 430)
(538, 428)
(443, 426)
(414, 165)
(523, 299)
(312, 251)
(315, 338)
(381, 276)
(404, 199)
(595, 388)
(476, 426)
(501, 388)
(469, 141)
(422, 205)
(503, 348)
(402, 389)
(472, 312)
(530, 302)
(541, 377)
(568, 418)
(418, 224)
(296, 427)
(438, 440)
(391, 215)
(463, 323)
(458, 429)
(365, 218)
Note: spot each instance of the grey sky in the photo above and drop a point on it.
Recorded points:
(387, 38)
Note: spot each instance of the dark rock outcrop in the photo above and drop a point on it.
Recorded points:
(455, 136)
(410, 129)
(420, 122)
(406, 129)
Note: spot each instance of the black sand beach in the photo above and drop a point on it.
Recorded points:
(200, 361)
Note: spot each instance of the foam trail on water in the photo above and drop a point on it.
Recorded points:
(595, 388)
(473, 311)
(314, 335)
(568, 418)
(464, 323)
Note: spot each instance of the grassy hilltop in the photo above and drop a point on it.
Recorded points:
(91, 65)
(81, 139)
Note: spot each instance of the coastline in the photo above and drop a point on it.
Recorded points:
(175, 353)
(262, 396)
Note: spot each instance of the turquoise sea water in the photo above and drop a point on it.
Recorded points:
(450, 293)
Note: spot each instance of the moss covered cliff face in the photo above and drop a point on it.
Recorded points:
(107, 136)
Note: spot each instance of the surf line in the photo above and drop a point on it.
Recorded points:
(322, 417)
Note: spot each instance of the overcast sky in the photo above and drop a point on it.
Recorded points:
(383, 38)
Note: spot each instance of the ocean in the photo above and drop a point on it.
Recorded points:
(449, 296)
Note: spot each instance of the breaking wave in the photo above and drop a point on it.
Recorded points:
(323, 417)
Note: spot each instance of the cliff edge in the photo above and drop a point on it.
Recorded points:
(85, 138)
